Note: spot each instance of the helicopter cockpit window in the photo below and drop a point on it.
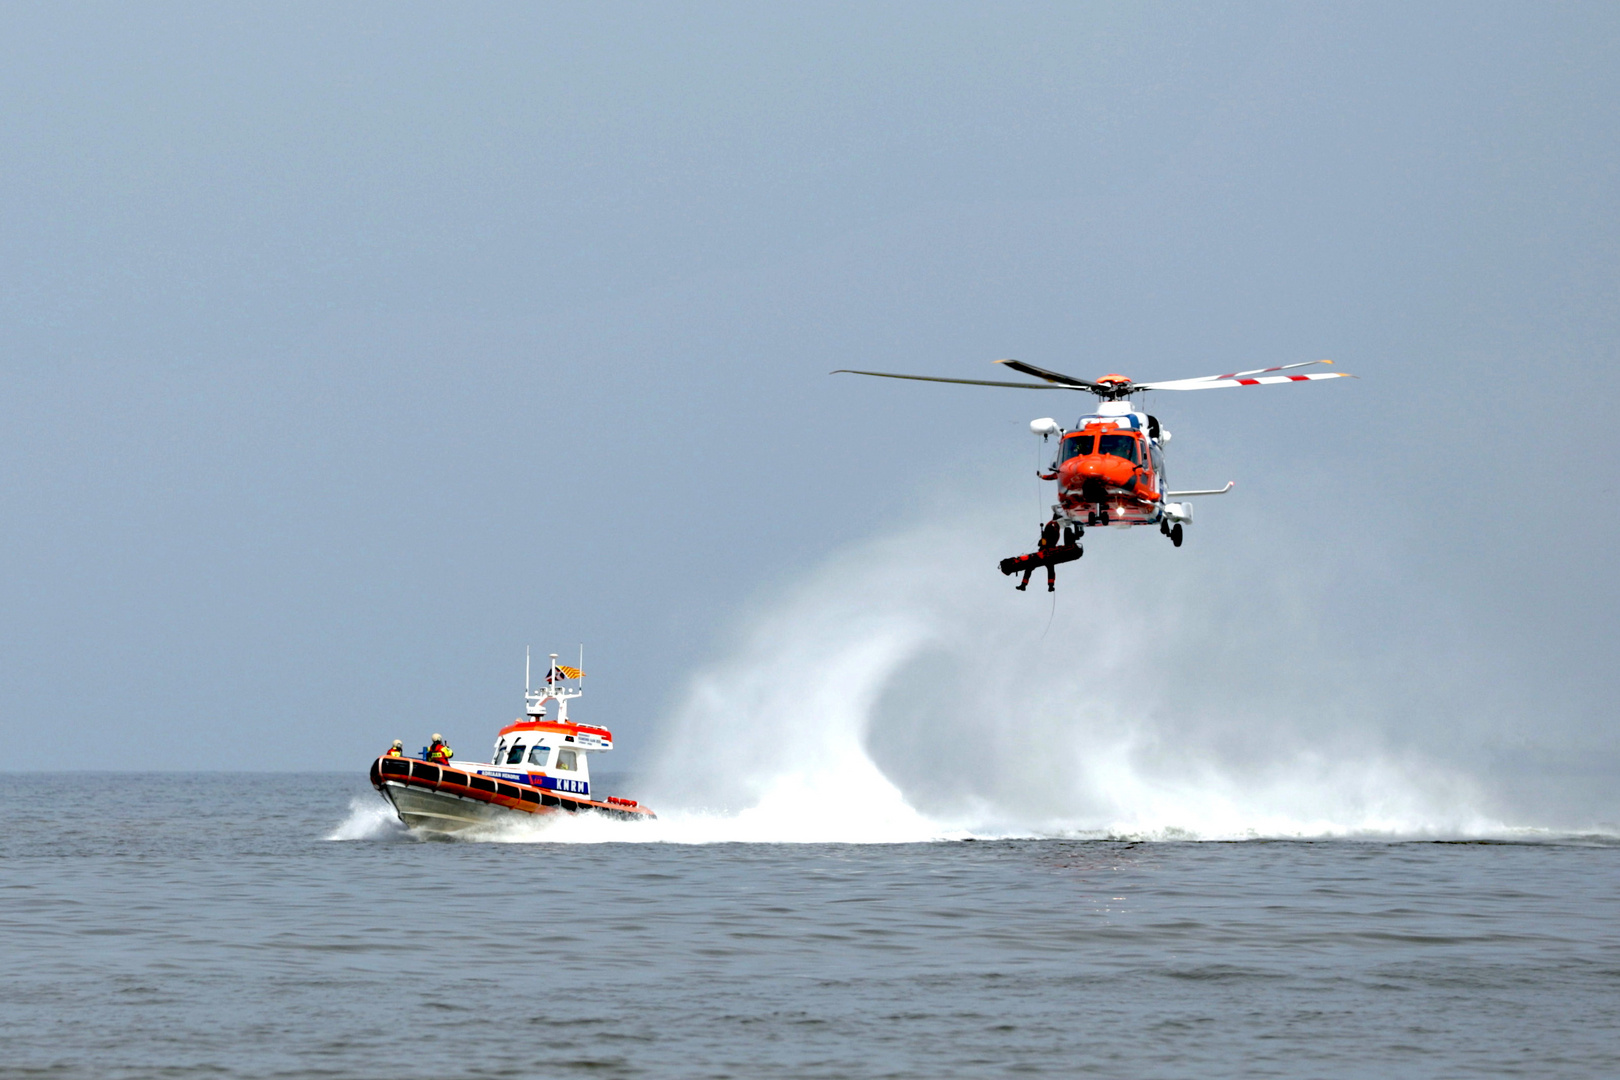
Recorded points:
(1075, 446)
(1119, 446)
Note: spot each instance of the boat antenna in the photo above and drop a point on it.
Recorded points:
(553, 689)
(582, 663)
(526, 680)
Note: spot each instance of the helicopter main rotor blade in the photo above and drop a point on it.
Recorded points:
(1257, 371)
(967, 382)
(1214, 384)
(1267, 370)
(1052, 376)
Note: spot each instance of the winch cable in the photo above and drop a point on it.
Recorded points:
(1039, 502)
(1040, 510)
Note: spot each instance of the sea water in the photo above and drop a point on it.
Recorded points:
(180, 925)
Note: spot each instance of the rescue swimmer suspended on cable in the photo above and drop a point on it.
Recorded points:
(1109, 466)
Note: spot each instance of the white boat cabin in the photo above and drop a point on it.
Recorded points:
(551, 754)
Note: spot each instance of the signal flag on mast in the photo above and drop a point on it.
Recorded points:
(560, 672)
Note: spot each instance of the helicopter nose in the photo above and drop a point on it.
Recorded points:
(1111, 470)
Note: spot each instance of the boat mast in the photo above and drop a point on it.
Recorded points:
(535, 697)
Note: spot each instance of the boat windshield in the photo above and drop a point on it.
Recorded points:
(565, 760)
(515, 757)
(1119, 446)
(537, 755)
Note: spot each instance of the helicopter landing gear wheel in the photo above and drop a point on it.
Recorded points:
(1175, 534)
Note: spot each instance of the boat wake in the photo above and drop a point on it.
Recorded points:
(370, 818)
(903, 692)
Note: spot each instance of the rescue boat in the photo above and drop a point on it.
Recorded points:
(540, 766)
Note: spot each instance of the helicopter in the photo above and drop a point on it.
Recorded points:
(1109, 466)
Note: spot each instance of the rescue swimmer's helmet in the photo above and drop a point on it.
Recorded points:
(438, 738)
(398, 744)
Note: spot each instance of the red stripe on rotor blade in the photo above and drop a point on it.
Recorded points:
(1299, 378)
(1248, 382)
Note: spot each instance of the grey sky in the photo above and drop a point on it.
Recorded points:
(350, 349)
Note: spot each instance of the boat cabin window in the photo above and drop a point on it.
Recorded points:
(1075, 446)
(500, 748)
(1119, 446)
(566, 760)
(515, 757)
(537, 755)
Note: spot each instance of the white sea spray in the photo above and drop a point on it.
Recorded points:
(903, 690)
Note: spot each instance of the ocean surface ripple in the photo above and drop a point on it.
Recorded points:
(222, 925)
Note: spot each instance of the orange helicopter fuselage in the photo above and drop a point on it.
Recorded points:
(1108, 466)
